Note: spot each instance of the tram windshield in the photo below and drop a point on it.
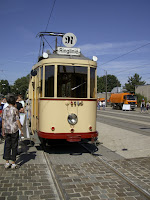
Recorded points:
(72, 81)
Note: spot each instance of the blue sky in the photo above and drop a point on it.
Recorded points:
(104, 28)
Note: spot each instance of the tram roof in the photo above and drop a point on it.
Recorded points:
(64, 58)
(55, 55)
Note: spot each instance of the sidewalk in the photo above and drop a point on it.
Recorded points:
(125, 143)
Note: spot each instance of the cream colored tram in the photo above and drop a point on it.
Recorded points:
(62, 92)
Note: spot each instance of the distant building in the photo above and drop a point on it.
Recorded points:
(118, 90)
(143, 90)
(103, 95)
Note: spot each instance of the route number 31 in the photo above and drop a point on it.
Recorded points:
(69, 39)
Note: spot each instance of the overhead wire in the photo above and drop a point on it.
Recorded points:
(131, 68)
(50, 15)
(48, 43)
(125, 54)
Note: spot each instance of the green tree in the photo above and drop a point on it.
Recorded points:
(21, 85)
(133, 81)
(112, 82)
(4, 87)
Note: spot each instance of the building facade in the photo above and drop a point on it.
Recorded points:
(143, 90)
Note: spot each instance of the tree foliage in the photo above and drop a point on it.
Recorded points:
(133, 81)
(4, 87)
(21, 85)
(112, 82)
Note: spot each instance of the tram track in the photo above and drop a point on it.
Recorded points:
(59, 189)
(139, 189)
(91, 149)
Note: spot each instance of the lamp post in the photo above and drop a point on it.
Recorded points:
(106, 87)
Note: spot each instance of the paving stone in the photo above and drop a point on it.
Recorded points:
(23, 197)
(12, 198)
(2, 198)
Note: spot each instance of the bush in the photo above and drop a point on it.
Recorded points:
(139, 99)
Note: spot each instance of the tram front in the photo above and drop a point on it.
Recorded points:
(68, 108)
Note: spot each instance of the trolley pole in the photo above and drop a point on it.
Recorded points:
(56, 44)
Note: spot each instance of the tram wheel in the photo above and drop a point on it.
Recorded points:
(43, 143)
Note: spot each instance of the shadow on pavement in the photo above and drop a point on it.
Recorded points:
(24, 155)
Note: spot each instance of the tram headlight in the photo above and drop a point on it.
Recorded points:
(72, 119)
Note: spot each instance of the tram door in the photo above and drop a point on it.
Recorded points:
(36, 95)
(34, 102)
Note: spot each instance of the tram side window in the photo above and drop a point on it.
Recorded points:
(72, 81)
(49, 81)
(41, 82)
(92, 82)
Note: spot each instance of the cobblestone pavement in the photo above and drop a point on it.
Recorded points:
(81, 178)
(91, 181)
(30, 181)
(136, 169)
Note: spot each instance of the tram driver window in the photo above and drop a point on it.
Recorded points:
(49, 81)
(72, 81)
(92, 82)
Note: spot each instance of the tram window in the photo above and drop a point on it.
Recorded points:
(49, 81)
(72, 81)
(41, 87)
(92, 82)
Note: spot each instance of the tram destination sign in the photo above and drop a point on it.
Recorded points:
(68, 51)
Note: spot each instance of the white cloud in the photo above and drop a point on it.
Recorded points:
(112, 48)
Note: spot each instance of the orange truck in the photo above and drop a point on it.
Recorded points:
(118, 99)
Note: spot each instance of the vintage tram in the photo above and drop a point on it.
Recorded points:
(63, 96)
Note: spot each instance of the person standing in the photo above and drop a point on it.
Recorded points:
(20, 100)
(98, 104)
(142, 106)
(104, 105)
(10, 125)
(147, 106)
(1, 108)
(20, 106)
(4, 102)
